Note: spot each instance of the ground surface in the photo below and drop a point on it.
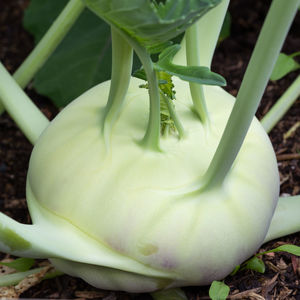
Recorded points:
(281, 279)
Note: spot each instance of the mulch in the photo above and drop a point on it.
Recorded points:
(282, 277)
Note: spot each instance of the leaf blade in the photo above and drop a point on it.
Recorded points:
(284, 65)
(21, 264)
(82, 60)
(292, 249)
(149, 23)
(201, 75)
(218, 290)
(255, 264)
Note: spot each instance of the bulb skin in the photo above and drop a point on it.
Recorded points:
(143, 206)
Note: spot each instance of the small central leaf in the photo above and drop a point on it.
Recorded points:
(201, 75)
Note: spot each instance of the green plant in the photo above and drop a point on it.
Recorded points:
(160, 197)
(284, 65)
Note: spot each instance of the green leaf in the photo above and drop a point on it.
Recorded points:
(235, 270)
(39, 16)
(148, 22)
(292, 249)
(159, 48)
(82, 60)
(140, 73)
(20, 264)
(255, 264)
(201, 75)
(218, 290)
(15, 278)
(284, 65)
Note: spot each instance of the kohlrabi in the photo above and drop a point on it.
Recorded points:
(140, 199)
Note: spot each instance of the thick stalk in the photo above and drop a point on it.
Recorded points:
(209, 27)
(121, 73)
(27, 116)
(152, 136)
(286, 219)
(151, 139)
(281, 106)
(273, 33)
(193, 59)
(47, 44)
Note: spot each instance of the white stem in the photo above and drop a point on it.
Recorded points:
(27, 116)
(193, 59)
(281, 106)
(46, 46)
(286, 219)
(209, 27)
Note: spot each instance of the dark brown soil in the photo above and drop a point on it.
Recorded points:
(282, 276)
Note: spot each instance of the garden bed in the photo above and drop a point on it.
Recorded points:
(281, 279)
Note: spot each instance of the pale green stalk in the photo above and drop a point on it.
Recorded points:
(273, 33)
(151, 139)
(27, 116)
(121, 73)
(286, 219)
(197, 48)
(209, 27)
(165, 133)
(173, 115)
(281, 106)
(193, 59)
(48, 44)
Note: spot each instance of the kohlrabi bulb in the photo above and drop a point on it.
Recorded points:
(125, 218)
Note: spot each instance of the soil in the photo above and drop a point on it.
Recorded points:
(282, 276)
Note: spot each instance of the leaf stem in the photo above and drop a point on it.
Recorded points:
(27, 116)
(208, 27)
(151, 139)
(286, 219)
(272, 35)
(173, 115)
(281, 106)
(193, 59)
(47, 44)
(121, 73)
